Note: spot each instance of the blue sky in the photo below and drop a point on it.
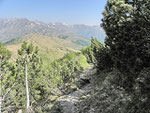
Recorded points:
(68, 11)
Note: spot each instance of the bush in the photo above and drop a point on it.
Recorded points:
(88, 53)
(141, 97)
(128, 37)
(99, 55)
(103, 59)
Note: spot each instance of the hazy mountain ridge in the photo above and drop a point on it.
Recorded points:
(16, 28)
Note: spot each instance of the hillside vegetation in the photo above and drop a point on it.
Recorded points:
(31, 80)
(49, 48)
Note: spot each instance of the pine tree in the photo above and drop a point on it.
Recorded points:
(127, 26)
(25, 52)
(7, 80)
(30, 75)
(101, 53)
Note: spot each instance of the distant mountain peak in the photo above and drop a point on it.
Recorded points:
(18, 27)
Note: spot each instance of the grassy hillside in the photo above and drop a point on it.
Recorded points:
(50, 48)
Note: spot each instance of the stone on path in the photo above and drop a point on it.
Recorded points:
(69, 103)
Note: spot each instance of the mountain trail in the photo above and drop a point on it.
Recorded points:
(70, 103)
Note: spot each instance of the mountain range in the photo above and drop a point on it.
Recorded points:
(11, 29)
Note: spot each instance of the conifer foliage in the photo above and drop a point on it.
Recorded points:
(127, 26)
(30, 77)
(7, 80)
(99, 55)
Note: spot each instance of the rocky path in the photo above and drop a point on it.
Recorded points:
(69, 103)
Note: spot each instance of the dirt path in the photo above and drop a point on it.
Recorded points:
(69, 103)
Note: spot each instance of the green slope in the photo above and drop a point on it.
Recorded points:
(50, 48)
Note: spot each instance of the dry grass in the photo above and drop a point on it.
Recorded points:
(50, 48)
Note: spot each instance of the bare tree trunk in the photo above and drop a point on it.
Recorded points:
(0, 91)
(19, 111)
(0, 97)
(27, 87)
